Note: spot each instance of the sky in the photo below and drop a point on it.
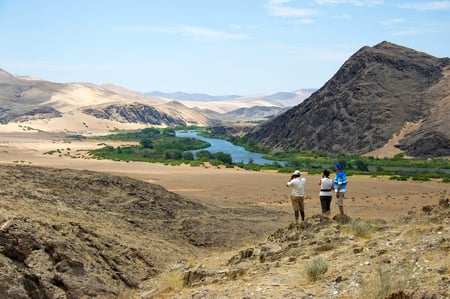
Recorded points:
(216, 47)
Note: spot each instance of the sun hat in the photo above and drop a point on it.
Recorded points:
(297, 172)
(338, 165)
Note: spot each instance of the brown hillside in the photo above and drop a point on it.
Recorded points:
(332, 258)
(82, 234)
(377, 92)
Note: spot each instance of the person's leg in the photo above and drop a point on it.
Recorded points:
(296, 207)
(328, 205)
(323, 204)
(302, 207)
(340, 202)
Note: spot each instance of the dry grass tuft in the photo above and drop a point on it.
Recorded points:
(360, 228)
(316, 268)
(379, 285)
(172, 280)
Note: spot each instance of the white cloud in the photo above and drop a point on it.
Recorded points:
(193, 32)
(352, 2)
(200, 33)
(342, 17)
(280, 8)
(145, 29)
(277, 8)
(391, 22)
(235, 26)
(242, 27)
(302, 21)
(428, 5)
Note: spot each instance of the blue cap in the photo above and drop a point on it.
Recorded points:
(338, 165)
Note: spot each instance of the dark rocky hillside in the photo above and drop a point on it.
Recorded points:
(134, 113)
(256, 112)
(375, 94)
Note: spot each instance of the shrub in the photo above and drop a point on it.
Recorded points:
(316, 268)
(172, 280)
(399, 178)
(360, 228)
(378, 285)
(446, 179)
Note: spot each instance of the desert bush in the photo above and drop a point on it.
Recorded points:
(172, 280)
(446, 178)
(399, 178)
(316, 268)
(360, 228)
(378, 285)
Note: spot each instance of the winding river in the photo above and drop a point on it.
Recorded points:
(238, 153)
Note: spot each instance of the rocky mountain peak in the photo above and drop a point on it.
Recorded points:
(376, 93)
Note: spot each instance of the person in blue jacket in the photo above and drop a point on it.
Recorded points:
(340, 186)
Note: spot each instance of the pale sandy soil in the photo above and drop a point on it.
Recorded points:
(367, 197)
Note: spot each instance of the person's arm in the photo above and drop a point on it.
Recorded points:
(339, 186)
(290, 180)
(338, 189)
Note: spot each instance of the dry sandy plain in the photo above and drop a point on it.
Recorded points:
(367, 197)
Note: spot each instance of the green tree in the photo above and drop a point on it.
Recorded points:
(149, 132)
(203, 154)
(169, 132)
(188, 156)
(173, 155)
(361, 165)
(223, 157)
(146, 143)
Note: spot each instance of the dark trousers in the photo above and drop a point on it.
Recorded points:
(325, 202)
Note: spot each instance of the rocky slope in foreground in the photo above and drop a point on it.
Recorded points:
(405, 259)
(82, 234)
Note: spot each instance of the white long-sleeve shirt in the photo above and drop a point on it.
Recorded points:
(298, 186)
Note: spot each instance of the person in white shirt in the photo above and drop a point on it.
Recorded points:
(298, 194)
(325, 195)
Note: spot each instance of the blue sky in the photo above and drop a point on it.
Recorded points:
(218, 47)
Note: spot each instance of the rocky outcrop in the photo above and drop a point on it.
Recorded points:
(372, 96)
(256, 112)
(400, 259)
(21, 115)
(134, 113)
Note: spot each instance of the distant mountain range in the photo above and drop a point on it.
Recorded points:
(384, 100)
(383, 96)
(81, 107)
(284, 99)
(197, 97)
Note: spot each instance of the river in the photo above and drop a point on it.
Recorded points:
(238, 153)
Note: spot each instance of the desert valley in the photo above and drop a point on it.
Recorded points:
(76, 227)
